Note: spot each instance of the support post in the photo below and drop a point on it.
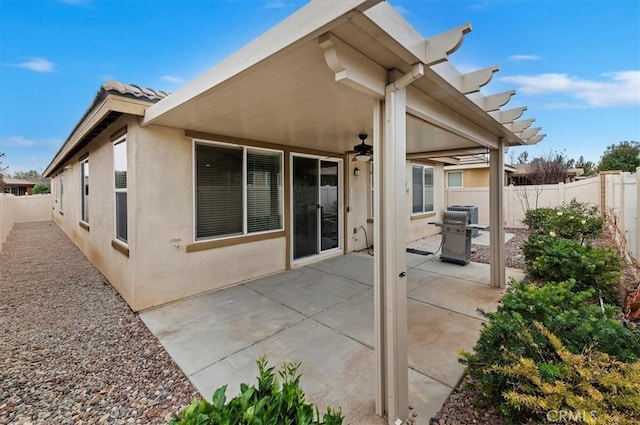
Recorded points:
(390, 281)
(496, 211)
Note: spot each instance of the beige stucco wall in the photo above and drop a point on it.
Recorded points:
(164, 215)
(95, 243)
(475, 177)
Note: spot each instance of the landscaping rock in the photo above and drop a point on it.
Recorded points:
(72, 352)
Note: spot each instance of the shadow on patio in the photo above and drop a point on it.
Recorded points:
(322, 315)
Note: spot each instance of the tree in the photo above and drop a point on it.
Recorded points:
(550, 168)
(2, 174)
(41, 188)
(624, 156)
(588, 167)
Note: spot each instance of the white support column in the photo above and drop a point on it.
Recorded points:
(637, 247)
(390, 204)
(496, 222)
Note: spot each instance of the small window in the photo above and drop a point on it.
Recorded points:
(120, 184)
(238, 190)
(84, 187)
(61, 189)
(422, 184)
(454, 179)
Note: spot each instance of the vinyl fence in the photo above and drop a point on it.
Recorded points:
(22, 209)
(615, 192)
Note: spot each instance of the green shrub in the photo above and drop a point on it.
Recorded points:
(571, 221)
(268, 404)
(508, 335)
(554, 259)
(587, 387)
(536, 220)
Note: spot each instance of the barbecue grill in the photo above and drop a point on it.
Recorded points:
(456, 236)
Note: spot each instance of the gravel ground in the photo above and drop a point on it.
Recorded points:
(72, 352)
(459, 407)
(514, 257)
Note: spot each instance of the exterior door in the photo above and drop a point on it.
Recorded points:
(316, 206)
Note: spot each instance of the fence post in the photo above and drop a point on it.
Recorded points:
(637, 252)
(561, 199)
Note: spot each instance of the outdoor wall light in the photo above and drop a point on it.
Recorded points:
(356, 171)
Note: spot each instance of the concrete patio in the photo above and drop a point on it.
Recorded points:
(322, 315)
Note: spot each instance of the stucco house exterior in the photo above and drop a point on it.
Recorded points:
(249, 169)
(472, 171)
(18, 187)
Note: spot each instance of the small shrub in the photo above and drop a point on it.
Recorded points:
(590, 386)
(571, 221)
(268, 404)
(508, 335)
(554, 259)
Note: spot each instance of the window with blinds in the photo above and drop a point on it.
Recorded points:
(120, 184)
(238, 190)
(454, 179)
(422, 188)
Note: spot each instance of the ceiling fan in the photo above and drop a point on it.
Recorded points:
(364, 152)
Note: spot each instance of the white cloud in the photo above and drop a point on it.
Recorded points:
(172, 79)
(24, 142)
(520, 58)
(616, 88)
(38, 65)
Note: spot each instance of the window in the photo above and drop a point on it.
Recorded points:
(84, 187)
(238, 190)
(422, 177)
(454, 179)
(120, 184)
(61, 189)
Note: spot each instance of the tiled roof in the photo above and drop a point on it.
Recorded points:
(134, 91)
(10, 181)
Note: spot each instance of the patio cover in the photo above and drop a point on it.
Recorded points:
(336, 69)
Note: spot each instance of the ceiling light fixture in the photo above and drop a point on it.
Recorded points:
(364, 152)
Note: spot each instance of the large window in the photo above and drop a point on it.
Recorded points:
(238, 190)
(84, 187)
(422, 189)
(454, 179)
(120, 184)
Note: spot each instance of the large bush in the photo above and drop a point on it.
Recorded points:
(268, 404)
(555, 259)
(571, 221)
(508, 335)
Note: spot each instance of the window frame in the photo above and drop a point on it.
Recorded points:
(115, 142)
(245, 148)
(84, 190)
(424, 187)
(461, 179)
(60, 208)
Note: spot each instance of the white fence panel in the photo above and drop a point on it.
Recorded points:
(22, 209)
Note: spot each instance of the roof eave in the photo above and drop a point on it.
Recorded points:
(105, 105)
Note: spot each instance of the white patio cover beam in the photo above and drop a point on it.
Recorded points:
(519, 125)
(530, 132)
(352, 67)
(492, 102)
(509, 115)
(535, 139)
(496, 220)
(390, 276)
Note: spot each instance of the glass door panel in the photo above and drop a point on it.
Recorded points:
(329, 205)
(305, 206)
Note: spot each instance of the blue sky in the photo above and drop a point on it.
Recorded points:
(574, 63)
